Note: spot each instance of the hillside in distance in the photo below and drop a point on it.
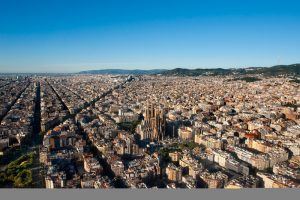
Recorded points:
(293, 69)
(123, 71)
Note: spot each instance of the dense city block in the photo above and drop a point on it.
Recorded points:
(149, 131)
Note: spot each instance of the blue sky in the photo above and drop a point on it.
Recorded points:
(70, 36)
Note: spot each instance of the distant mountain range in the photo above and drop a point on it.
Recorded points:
(293, 69)
(123, 71)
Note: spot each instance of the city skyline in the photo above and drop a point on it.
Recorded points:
(75, 36)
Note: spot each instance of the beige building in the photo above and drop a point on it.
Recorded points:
(174, 173)
(186, 133)
(175, 156)
(213, 180)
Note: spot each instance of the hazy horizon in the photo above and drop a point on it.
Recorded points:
(149, 69)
